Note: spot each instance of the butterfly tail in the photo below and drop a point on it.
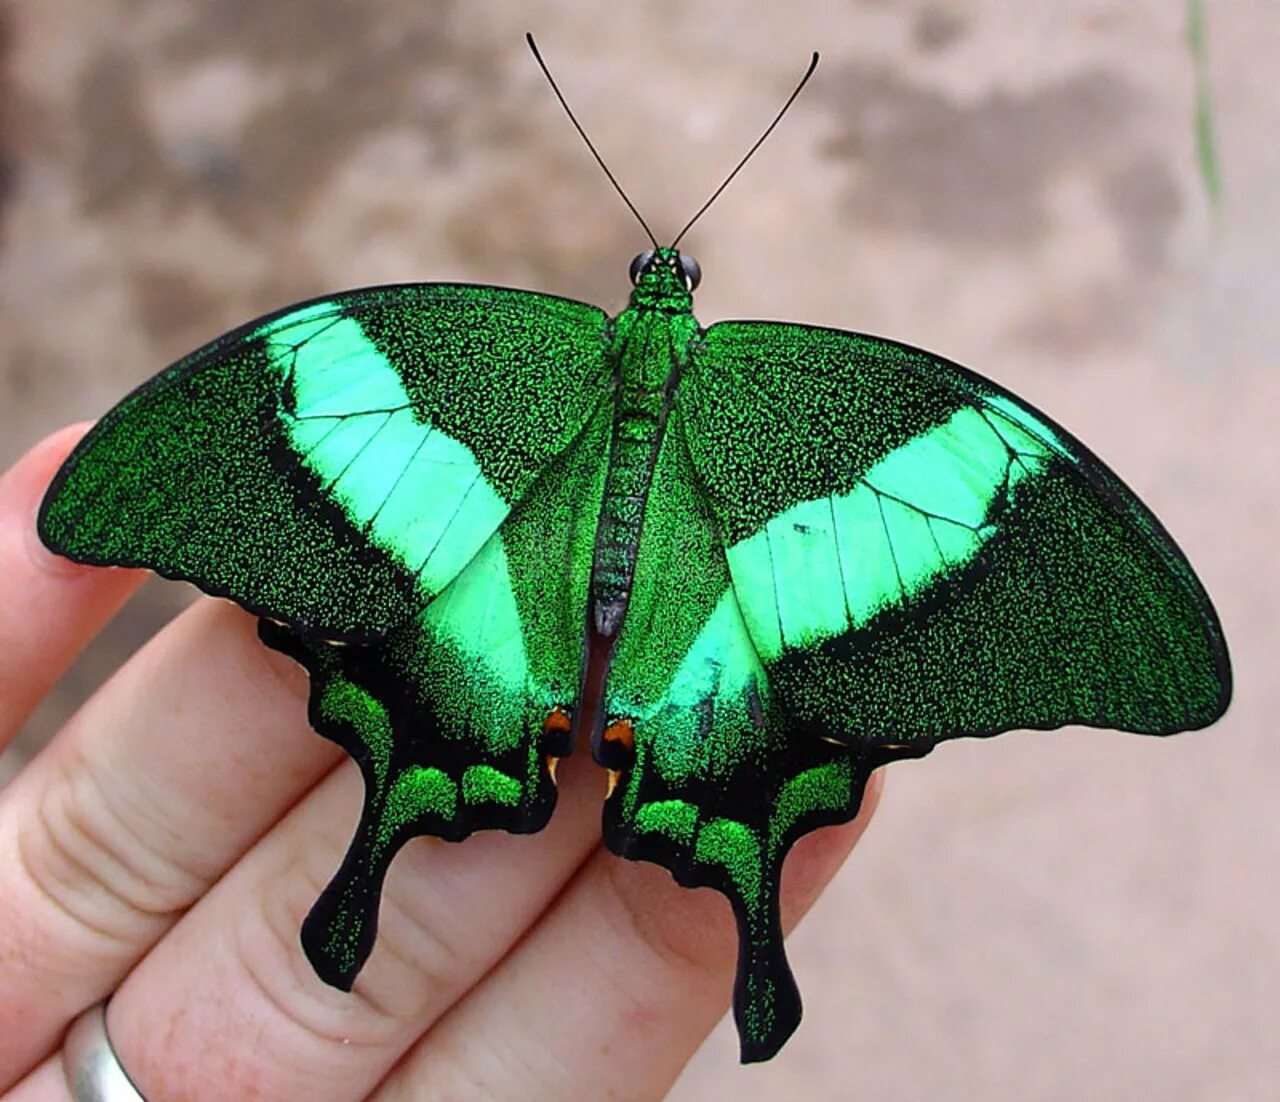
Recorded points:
(766, 1001)
(342, 925)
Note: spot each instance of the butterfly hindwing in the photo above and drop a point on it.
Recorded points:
(720, 784)
(447, 716)
(919, 555)
(334, 465)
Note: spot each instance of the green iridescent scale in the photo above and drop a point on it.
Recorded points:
(749, 564)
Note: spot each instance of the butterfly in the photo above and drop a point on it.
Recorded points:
(749, 563)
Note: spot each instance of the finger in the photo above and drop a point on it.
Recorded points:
(49, 607)
(149, 793)
(613, 991)
(48, 1083)
(449, 913)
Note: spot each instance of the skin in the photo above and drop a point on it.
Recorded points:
(166, 845)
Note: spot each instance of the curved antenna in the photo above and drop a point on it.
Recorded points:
(578, 126)
(813, 64)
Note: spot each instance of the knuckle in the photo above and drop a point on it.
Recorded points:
(268, 957)
(498, 1068)
(85, 860)
(412, 975)
(422, 962)
(689, 933)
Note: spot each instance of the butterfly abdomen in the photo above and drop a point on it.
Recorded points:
(637, 431)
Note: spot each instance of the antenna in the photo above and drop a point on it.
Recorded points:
(578, 126)
(813, 64)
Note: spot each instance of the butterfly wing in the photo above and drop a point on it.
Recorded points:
(415, 469)
(448, 717)
(719, 786)
(852, 551)
(920, 555)
(335, 465)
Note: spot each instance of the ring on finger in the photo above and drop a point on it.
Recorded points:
(93, 1070)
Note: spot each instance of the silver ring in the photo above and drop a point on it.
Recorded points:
(92, 1068)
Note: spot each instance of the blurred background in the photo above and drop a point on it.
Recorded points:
(1078, 198)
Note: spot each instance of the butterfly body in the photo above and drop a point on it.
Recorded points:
(748, 564)
(650, 343)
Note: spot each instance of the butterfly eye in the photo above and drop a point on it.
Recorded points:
(692, 271)
(640, 263)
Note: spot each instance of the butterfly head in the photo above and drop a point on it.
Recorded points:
(665, 278)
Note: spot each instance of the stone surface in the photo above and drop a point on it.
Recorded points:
(1070, 915)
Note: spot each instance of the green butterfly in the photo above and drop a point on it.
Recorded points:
(752, 563)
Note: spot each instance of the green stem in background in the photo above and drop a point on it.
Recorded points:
(1206, 136)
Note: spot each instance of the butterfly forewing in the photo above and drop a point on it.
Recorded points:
(919, 555)
(335, 465)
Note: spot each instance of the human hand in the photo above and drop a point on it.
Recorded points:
(163, 850)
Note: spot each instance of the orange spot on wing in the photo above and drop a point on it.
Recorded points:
(622, 732)
(558, 722)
